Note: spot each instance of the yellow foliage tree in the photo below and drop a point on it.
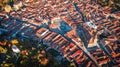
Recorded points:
(8, 8)
(44, 61)
(6, 4)
(14, 42)
(72, 64)
(2, 50)
(5, 42)
(8, 65)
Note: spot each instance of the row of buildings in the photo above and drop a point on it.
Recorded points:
(90, 28)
